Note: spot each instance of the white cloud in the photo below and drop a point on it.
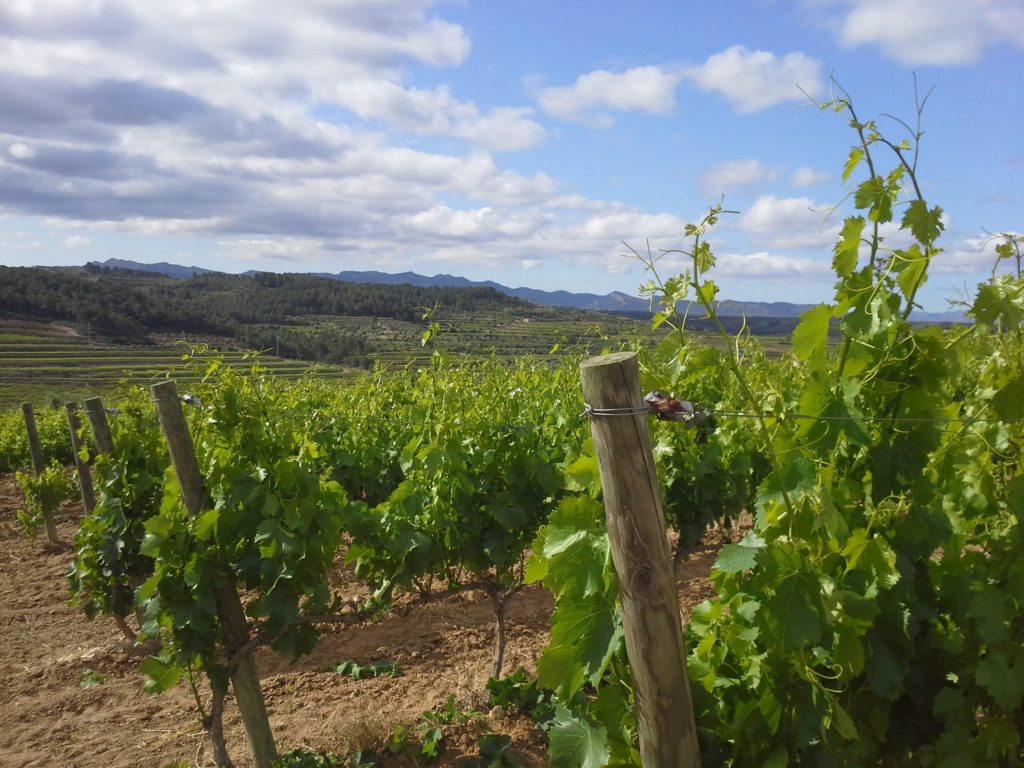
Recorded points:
(932, 32)
(594, 94)
(21, 151)
(755, 80)
(437, 112)
(972, 255)
(75, 241)
(737, 174)
(771, 266)
(806, 176)
(792, 222)
(477, 224)
(631, 226)
(246, 250)
(19, 241)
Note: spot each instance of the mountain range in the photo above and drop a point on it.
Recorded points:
(616, 301)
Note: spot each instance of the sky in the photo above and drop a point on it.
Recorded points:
(530, 142)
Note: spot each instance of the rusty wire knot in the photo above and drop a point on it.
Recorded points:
(657, 404)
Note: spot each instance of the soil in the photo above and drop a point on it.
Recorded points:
(72, 697)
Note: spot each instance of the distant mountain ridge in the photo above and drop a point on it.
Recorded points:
(616, 301)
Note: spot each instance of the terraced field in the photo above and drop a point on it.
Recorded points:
(45, 362)
(396, 342)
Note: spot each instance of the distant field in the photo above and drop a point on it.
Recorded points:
(43, 363)
(40, 363)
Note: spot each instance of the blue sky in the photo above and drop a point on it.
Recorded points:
(522, 141)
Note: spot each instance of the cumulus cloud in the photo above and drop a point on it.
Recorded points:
(224, 129)
(806, 176)
(755, 80)
(931, 32)
(595, 94)
(437, 112)
(771, 266)
(736, 174)
(791, 222)
(478, 224)
(971, 255)
(75, 241)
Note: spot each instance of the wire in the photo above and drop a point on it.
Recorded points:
(867, 419)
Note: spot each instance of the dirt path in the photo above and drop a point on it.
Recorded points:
(71, 695)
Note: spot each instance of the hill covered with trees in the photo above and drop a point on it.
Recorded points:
(129, 305)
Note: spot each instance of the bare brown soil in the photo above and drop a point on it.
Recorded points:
(51, 716)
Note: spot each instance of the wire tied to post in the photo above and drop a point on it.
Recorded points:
(658, 404)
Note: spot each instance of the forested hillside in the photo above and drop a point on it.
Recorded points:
(129, 304)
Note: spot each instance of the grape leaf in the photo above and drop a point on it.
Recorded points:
(162, 675)
(856, 155)
(810, 337)
(576, 742)
(847, 248)
(924, 222)
(585, 634)
(736, 557)
(1003, 682)
(789, 614)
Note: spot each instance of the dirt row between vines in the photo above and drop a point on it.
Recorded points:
(71, 695)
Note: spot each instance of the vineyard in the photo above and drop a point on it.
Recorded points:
(865, 610)
(52, 361)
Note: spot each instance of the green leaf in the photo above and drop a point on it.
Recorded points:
(574, 549)
(1000, 302)
(856, 155)
(585, 634)
(789, 612)
(874, 196)
(575, 742)
(810, 337)
(912, 267)
(847, 249)
(163, 675)
(205, 525)
(1003, 682)
(924, 222)
(1008, 402)
(843, 722)
(706, 292)
(736, 557)
(704, 257)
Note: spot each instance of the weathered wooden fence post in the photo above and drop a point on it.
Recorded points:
(636, 530)
(84, 473)
(234, 629)
(100, 427)
(105, 445)
(38, 465)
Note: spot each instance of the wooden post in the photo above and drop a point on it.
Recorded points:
(234, 629)
(100, 427)
(636, 530)
(33, 438)
(84, 474)
(38, 465)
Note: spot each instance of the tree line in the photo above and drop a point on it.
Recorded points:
(128, 305)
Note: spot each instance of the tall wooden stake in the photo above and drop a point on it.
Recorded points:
(100, 426)
(636, 531)
(235, 631)
(38, 465)
(84, 473)
(33, 438)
